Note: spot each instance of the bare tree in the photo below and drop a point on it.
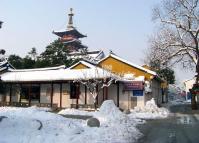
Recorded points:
(96, 80)
(177, 39)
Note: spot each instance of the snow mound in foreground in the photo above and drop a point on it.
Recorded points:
(149, 111)
(115, 126)
(110, 111)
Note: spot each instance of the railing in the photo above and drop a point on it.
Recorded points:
(87, 106)
(25, 104)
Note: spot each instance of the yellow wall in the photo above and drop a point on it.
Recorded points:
(120, 67)
(164, 84)
(80, 66)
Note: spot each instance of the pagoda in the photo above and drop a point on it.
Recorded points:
(70, 37)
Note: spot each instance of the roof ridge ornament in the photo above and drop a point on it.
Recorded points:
(70, 21)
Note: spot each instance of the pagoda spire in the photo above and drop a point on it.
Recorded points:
(70, 37)
(70, 21)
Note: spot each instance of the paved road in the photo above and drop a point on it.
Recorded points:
(181, 127)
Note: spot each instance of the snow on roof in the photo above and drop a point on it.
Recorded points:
(129, 63)
(92, 56)
(54, 75)
(139, 78)
(3, 62)
(129, 78)
(62, 30)
(97, 54)
(38, 69)
(3, 68)
(84, 63)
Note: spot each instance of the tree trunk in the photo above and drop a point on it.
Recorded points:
(193, 96)
(193, 103)
(197, 71)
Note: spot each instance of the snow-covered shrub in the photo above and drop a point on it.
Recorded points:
(149, 111)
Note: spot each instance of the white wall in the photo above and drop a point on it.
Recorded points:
(112, 93)
(156, 92)
(45, 92)
(82, 94)
(56, 94)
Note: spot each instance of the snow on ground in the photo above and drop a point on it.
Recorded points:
(40, 108)
(115, 126)
(23, 125)
(149, 111)
(36, 125)
(72, 111)
(180, 101)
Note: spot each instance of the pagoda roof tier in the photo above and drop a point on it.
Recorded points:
(76, 43)
(73, 32)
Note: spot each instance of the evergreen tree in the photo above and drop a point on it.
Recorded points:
(33, 54)
(28, 63)
(55, 55)
(163, 71)
(167, 74)
(16, 61)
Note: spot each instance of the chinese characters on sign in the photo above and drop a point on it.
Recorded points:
(134, 85)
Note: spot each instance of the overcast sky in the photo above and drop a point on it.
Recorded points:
(122, 26)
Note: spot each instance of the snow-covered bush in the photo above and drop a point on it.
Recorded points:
(149, 111)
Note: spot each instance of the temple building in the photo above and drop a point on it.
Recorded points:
(61, 87)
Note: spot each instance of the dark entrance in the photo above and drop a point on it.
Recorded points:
(75, 92)
(30, 92)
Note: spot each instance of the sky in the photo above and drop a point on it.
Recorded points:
(121, 26)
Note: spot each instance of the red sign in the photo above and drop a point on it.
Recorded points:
(134, 85)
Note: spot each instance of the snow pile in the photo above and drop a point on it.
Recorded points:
(115, 126)
(149, 111)
(110, 112)
(23, 125)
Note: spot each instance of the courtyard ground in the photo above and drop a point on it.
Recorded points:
(180, 127)
(37, 125)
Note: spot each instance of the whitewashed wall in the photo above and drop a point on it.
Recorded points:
(112, 93)
(56, 94)
(156, 91)
(45, 91)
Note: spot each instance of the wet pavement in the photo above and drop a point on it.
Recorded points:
(181, 127)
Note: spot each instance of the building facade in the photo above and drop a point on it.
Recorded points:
(63, 87)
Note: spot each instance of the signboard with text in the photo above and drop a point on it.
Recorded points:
(138, 92)
(134, 85)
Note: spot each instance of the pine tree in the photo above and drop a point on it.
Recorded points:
(55, 54)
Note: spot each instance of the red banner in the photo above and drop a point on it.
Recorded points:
(134, 85)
